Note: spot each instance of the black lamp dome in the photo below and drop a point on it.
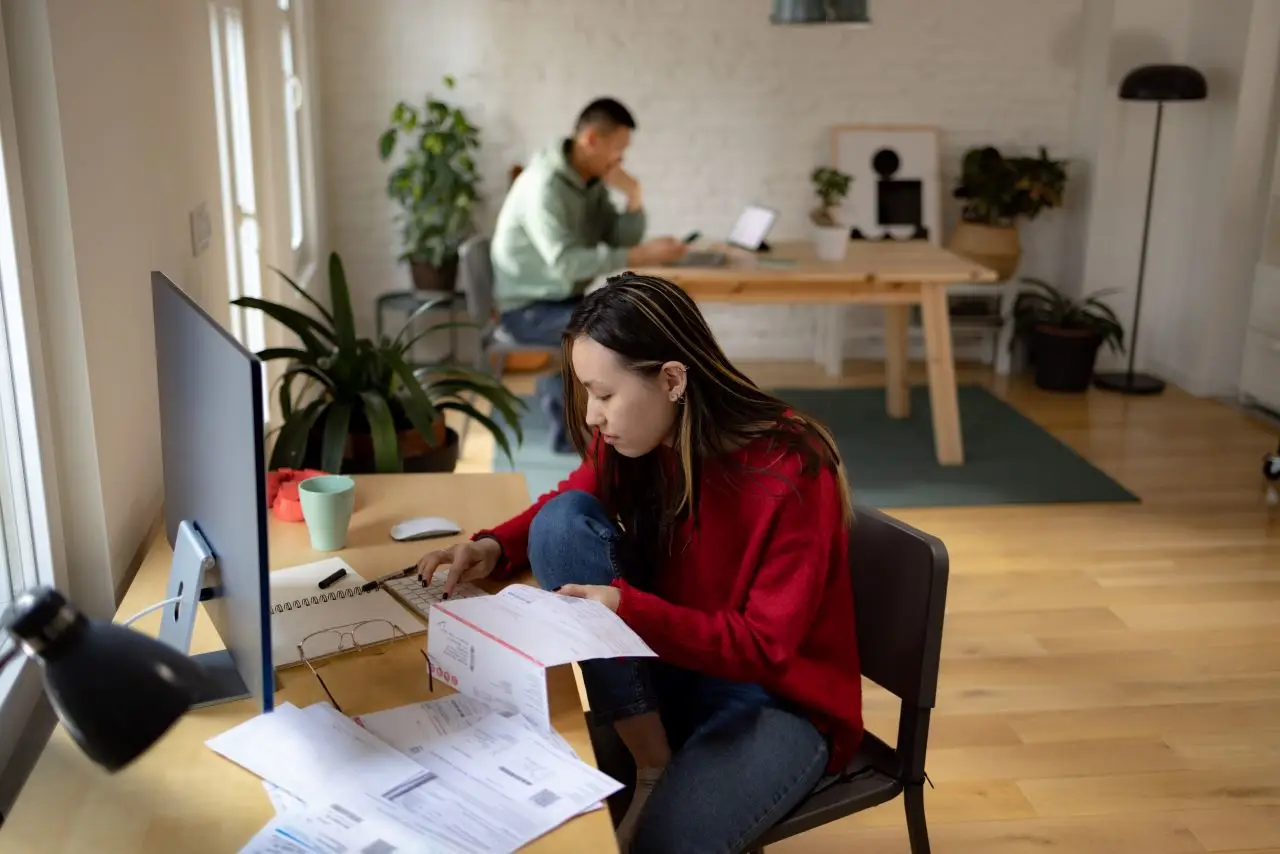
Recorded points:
(116, 690)
(1164, 83)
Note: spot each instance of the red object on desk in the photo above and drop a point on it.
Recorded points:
(282, 492)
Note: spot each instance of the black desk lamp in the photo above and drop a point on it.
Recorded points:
(1157, 83)
(116, 690)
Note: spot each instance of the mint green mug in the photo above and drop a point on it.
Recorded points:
(327, 503)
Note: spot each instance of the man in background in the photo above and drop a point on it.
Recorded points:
(558, 231)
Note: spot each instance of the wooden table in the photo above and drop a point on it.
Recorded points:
(896, 275)
(180, 795)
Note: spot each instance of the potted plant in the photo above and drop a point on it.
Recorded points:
(436, 185)
(1063, 334)
(831, 238)
(999, 191)
(353, 405)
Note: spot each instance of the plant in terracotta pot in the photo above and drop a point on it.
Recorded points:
(831, 236)
(353, 405)
(998, 192)
(1063, 334)
(436, 184)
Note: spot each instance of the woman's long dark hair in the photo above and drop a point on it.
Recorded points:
(649, 321)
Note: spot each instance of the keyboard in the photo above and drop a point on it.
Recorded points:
(419, 599)
(703, 258)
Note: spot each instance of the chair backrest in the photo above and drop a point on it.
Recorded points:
(475, 278)
(899, 593)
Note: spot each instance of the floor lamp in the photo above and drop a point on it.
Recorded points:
(1157, 83)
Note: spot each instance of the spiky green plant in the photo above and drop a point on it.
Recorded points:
(1044, 305)
(352, 385)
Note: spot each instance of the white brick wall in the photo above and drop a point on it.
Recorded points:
(730, 108)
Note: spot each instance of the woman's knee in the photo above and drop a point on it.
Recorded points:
(571, 541)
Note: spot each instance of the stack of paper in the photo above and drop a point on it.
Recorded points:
(425, 731)
(477, 772)
(491, 786)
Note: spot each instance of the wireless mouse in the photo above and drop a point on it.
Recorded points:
(424, 527)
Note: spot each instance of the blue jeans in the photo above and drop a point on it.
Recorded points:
(741, 758)
(542, 323)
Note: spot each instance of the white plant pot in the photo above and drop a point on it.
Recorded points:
(830, 241)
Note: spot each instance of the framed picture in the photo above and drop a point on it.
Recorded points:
(895, 194)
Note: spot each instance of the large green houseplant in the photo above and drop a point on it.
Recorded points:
(1063, 334)
(354, 405)
(997, 193)
(435, 183)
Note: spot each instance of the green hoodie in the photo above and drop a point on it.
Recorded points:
(556, 233)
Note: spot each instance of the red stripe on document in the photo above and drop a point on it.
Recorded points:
(497, 640)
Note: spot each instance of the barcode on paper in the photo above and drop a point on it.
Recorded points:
(545, 798)
(378, 847)
(346, 813)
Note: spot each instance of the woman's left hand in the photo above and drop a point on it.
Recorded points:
(605, 595)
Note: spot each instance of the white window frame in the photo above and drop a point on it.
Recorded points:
(299, 143)
(33, 523)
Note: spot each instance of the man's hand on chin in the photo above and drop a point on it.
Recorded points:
(622, 181)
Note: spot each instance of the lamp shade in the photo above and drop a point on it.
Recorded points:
(1164, 83)
(819, 12)
(114, 689)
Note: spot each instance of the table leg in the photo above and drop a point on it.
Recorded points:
(897, 393)
(943, 397)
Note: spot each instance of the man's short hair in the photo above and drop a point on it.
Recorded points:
(606, 115)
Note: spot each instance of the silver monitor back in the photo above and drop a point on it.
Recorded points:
(212, 444)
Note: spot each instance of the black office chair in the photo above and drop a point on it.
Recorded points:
(900, 591)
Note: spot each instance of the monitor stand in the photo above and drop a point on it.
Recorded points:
(193, 567)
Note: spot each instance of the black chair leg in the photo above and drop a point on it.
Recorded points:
(917, 830)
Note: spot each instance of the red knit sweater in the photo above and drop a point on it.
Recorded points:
(761, 592)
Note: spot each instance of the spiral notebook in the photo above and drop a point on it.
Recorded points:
(299, 607)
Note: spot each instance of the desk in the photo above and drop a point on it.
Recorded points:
(180, 795)
(895, 275)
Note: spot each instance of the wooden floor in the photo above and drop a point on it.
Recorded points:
(1111, 673)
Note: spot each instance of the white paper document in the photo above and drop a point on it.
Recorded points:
(496, 648)
(435, 734)
(338, 787)
(303, 752)
(409, 729)
(508, 758)
(282, 800)
(550, 628)
(335, 829)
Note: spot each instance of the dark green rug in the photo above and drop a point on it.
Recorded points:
(1008, 458)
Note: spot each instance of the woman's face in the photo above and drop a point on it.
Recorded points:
(633, 413)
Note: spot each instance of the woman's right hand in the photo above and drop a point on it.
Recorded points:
(467, 561)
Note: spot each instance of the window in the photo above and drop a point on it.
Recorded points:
(297, 132)
(235, 160)
(292, 110)
(26, 553)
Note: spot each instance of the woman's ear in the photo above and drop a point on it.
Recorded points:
(674, 380)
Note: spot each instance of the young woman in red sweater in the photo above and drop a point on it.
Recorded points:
(713, 519)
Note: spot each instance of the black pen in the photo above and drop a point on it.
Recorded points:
(377, 582)
(332, 579)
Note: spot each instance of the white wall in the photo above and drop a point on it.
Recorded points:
(113, 103)
(1211, 180)
(730, 108)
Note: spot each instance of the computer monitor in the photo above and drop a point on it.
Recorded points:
(211, 437)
